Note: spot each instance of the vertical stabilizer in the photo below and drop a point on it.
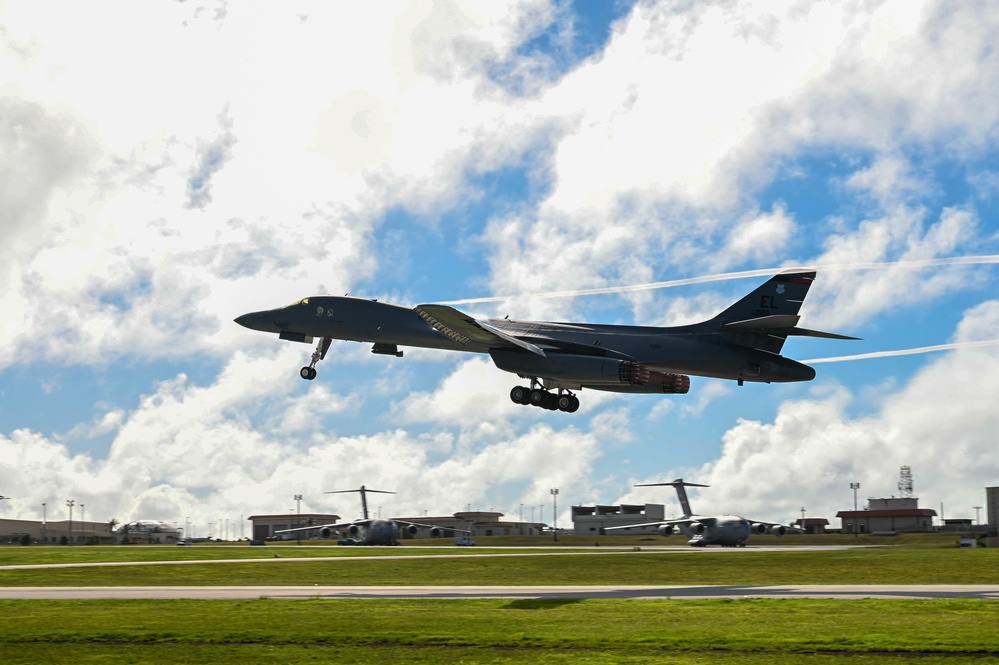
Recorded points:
(364, 497)
(681, 493)
(781, 295)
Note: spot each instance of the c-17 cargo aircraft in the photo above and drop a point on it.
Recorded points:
(369, 531)
(742, 343)
(703, 530)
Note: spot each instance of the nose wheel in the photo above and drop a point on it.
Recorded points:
(309, 371)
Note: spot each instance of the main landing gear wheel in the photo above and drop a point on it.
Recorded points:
(520, 395)
(307, 373)
(563, 401)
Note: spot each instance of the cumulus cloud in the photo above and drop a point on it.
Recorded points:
(199, 452)
(259, 151)
(220, 176)
(814, 447)
(689, 111)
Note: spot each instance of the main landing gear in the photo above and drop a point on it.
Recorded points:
(563, 401)
(309, 372)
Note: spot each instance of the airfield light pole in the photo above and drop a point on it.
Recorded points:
(554, 493)
(45, 514)
(70, 502)
(977, 520)
(855, 487)
(298, 518)
(83, 520)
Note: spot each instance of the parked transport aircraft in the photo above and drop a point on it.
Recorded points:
(703, 530)
(369, 531)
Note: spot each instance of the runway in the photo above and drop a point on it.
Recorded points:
(839, 591)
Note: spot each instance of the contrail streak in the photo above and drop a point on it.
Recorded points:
(725, 276)
(905, 352)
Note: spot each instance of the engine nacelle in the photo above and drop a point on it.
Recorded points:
(758, 529)
(571, 367)
(659, 383)
(666, 530)
(353, 530)
(436, 532)
(778, 529)
(697, 528)
(325, 533)
(411, 529)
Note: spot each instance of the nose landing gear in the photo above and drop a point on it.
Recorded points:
(536, 396)
(309, 371)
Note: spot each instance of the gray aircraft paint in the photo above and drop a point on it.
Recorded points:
(703, 530)
(742, 343)
(368, 531)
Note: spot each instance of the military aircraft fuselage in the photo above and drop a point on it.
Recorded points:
(350, 319)
(682, 349)
(742, 343)
(725, 530)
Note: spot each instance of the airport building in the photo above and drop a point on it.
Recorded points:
(61, 532)
(589, 520)
(266, 526)
(888, 515)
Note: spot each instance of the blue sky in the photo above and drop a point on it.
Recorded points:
(217, 160)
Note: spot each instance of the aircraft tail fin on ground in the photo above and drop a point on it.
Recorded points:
(765, 318)
(681, 493)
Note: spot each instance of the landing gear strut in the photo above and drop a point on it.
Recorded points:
(309, 372)
(538, 396)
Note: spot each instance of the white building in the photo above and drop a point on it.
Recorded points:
(589, 520)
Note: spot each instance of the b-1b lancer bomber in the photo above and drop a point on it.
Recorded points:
(743, 343)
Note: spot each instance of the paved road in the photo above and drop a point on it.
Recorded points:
(509, 592)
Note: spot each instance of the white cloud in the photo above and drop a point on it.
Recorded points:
(257, 149)
(941, 424)
(240, 444)
(691, 109)
(243, 163)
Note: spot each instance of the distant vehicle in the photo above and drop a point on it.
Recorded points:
(703, 530)
(464, 540)
(743, 343)
(184, 541)
(369, 531)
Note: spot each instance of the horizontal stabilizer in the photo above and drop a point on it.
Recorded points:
(779, 324)
(804, 332)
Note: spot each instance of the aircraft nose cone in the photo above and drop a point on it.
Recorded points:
(246, 320)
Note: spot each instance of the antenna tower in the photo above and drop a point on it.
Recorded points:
(905, 482)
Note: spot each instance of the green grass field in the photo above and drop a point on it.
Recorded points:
(467, 566)
(504, 631)
(497, 631)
